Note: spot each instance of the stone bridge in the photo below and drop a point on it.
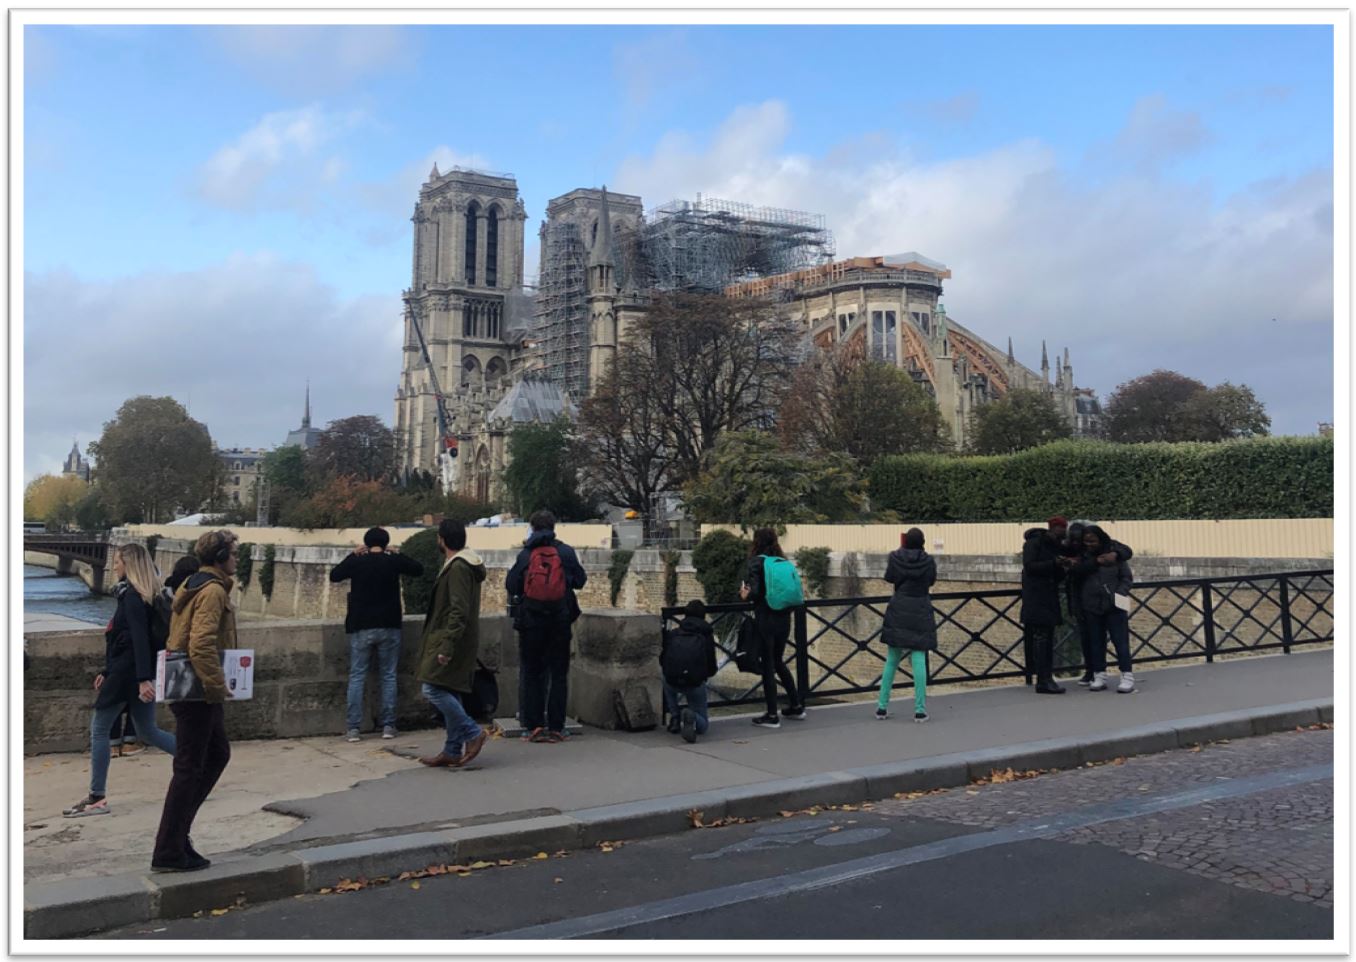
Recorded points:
(92, 549)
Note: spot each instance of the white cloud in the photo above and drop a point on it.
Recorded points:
(1138, 272)
(313, 61)
(236, 342)
(278, 162)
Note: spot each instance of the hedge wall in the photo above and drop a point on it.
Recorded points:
(1259, 478)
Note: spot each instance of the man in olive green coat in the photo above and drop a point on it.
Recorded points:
(450, 642)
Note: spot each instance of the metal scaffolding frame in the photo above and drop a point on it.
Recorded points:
(562, 308)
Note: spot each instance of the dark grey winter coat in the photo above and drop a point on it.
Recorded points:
(1100, 583)
(909, 621)
(1041, 575)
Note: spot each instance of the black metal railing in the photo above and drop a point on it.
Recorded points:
(837, 648)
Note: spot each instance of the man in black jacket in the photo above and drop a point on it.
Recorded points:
(373, 622)
(550, 570)
(1041, 574)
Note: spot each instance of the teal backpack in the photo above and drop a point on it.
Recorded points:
(782, 582)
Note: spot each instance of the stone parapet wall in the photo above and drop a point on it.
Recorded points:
(301, 677)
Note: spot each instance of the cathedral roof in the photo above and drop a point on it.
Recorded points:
(532, 400)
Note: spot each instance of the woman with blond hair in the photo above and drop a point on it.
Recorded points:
(128, 678)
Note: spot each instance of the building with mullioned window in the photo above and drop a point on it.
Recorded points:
(505, 353)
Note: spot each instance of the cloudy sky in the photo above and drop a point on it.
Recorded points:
(221, 213)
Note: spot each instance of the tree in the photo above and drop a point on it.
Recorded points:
(1019, 420)
(623, 442)
(358, 447)
(154, 459)
(346, 502)
(542, 473)
(91, 513)
(1226, 411)
(54, 498)
(751, 481)
(866, 409)
(284, 471)
(1167, 406)
(719, 560)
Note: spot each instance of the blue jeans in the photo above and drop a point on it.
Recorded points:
(696, 700)
(1115, 623)
(460, 728)
(360, 644)
(143, 716)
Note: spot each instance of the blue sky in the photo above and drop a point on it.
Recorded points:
(1147, 196)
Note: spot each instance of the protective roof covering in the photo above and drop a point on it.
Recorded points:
(913, 257)
(532, 400)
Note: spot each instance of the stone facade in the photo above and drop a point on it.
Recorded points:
(242, 467)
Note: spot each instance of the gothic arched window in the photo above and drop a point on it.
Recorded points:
(492, 247)
(472, 212)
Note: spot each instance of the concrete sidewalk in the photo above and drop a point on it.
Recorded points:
(351, 795)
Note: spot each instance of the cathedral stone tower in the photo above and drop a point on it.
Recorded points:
(467, 280)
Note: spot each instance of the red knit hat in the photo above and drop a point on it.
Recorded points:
(1058, 521)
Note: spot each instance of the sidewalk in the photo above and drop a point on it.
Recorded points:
(346, 793)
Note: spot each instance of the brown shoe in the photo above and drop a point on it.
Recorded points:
(439, 760)
(473, 748)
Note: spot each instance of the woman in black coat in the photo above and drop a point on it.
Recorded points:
(909, 623)
(1042, 569)
(128, 678)
(774, 627)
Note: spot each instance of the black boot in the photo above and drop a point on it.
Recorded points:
(1044, 643)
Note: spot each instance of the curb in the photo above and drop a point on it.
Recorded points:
(66, 909)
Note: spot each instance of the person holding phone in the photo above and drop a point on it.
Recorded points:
(909, 623)
(1104, 597)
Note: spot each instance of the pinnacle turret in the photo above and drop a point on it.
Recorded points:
(1011, 358)
(433, 174)
(601, 253)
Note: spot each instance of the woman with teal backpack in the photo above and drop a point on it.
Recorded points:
(773, 585)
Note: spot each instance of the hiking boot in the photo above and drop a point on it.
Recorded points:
(89, 805)
(189, 863)
(440, 760)
(689, 726)
(768, 721)
(1127, 684)
(1049, 688)
(389, 731)
(353, 735)
(920, 717)
(1098, 682)
(675, 725)
(882, 714)
(797, 713)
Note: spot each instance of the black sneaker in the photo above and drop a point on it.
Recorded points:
(920, 716)
(768, 721)
(189, 863)
(675, 725)
(882, 714)
(688, 725)
(797, 713)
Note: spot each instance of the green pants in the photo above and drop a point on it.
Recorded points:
(919, 665)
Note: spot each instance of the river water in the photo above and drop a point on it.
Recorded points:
(48, 592)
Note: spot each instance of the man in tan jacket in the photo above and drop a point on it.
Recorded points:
(203, 624)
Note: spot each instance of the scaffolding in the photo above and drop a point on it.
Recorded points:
(710, 243)
(561, 313)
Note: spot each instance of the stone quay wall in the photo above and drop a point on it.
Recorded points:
(301, 677)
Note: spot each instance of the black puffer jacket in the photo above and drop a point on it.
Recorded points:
(1099, 584)
(1076, 574)
(909, 621)
(129, 656)
(1041, 575)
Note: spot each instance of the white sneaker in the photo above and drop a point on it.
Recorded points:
(353, 735)
(1098, 682)
(1127, 683)
(389, 731)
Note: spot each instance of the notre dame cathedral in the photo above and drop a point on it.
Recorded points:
(505, 354)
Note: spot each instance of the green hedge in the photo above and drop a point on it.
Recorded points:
(1257, 478)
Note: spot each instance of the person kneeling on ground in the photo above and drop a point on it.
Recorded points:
(909, 623)
(687, 659)
(450, 643)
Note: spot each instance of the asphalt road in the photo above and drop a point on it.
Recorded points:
(1230, 841)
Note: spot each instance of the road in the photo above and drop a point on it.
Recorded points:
(1232, 840)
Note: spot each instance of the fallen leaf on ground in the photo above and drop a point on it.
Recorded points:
(475, 865)
(1118, 761)
(971, 791)
(1194, 748)
(1144, 787)
(414, 885)
(557, 880)
(541, 855)
(836, 828)
(326, 891)
(694, 816)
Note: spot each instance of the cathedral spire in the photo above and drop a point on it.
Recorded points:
(306, 416)
(601, 253)
(1045, 363)
(434, 175)
(1011, 359)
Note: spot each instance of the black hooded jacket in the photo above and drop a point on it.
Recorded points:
(909, 621)
(1041, 575)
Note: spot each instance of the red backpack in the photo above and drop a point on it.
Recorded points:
(544, 582)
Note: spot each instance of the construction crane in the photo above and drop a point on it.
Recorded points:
(447, 456)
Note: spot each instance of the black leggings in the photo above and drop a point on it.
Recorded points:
(776, 631)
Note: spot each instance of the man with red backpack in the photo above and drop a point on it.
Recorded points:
(541, 587)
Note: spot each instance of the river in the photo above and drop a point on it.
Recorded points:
(50, 593)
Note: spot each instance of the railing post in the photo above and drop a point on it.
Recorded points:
(1208, 610)
(802, 655)
(1287, 631)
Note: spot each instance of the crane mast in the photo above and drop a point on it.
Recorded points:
(447, 454)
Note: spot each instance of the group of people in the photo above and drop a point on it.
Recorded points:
(192, 613)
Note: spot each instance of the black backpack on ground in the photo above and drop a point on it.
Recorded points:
(685, 658)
